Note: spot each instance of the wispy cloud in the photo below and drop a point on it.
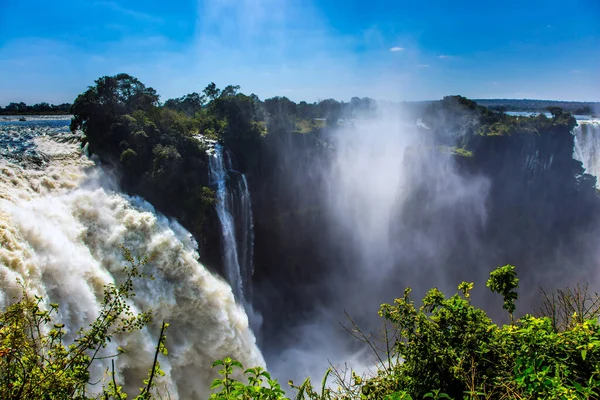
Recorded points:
(396, 49)
(576, 71)
(444, 56)
(423, 65)
(129, 12)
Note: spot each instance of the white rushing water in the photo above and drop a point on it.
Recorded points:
(587, 145)
(60, 230)
(234, 209)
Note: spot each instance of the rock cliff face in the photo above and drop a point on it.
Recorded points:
(539, 207)
(535, 175)
(292, 246)
(535, 210)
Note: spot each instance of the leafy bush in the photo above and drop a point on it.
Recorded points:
(230, 388)
(36, 362)
(449, 349)
(445, 349)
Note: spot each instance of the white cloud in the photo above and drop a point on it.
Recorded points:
(395, 49)
(444, 56)
(423, 65)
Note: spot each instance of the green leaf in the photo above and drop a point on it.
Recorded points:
(324, 382)
(218, 362)
(216, 383)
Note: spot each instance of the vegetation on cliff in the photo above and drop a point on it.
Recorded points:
(157, 151)
(154, 147)
(458, 117)
(536, 106)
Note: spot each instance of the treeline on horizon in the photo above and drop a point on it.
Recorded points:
(574, 107)
(36, 109)
(328, 108)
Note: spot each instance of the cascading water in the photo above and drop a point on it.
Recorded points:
(234, 209)
(61, 223)
(247, 234)
(587, 145)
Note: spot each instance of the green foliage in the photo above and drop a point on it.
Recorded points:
(259, 384)
(450, 349)
(555, 111)
(503, 281)
(37, 361)
(453, 347)
(189, 104)
(460, 123)
(445, 349)
(155, 146)
(459, 151)
(304, 126)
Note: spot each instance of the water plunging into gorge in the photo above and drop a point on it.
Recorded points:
(234, 209)
(587, 145)
(62, 220)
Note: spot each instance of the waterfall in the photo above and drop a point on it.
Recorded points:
(234, 209)
(61, 223)
(247, 235)
(587, 145)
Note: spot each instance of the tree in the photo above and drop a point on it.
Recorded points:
(331, 110)
(230, 90)
(189, 104)
(99, 111)
(211, 91)
(504, 281)
(555, 111)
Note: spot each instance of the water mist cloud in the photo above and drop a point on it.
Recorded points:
(396, 209)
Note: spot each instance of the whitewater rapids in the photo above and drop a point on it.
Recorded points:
(61, 226)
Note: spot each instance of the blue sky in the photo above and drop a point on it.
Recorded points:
(306, 50)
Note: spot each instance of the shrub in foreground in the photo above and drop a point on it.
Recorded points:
(36, 362)
(447, 348)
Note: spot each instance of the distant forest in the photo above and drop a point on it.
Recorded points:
(574, 107)
(325, 108)
(36, 109)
